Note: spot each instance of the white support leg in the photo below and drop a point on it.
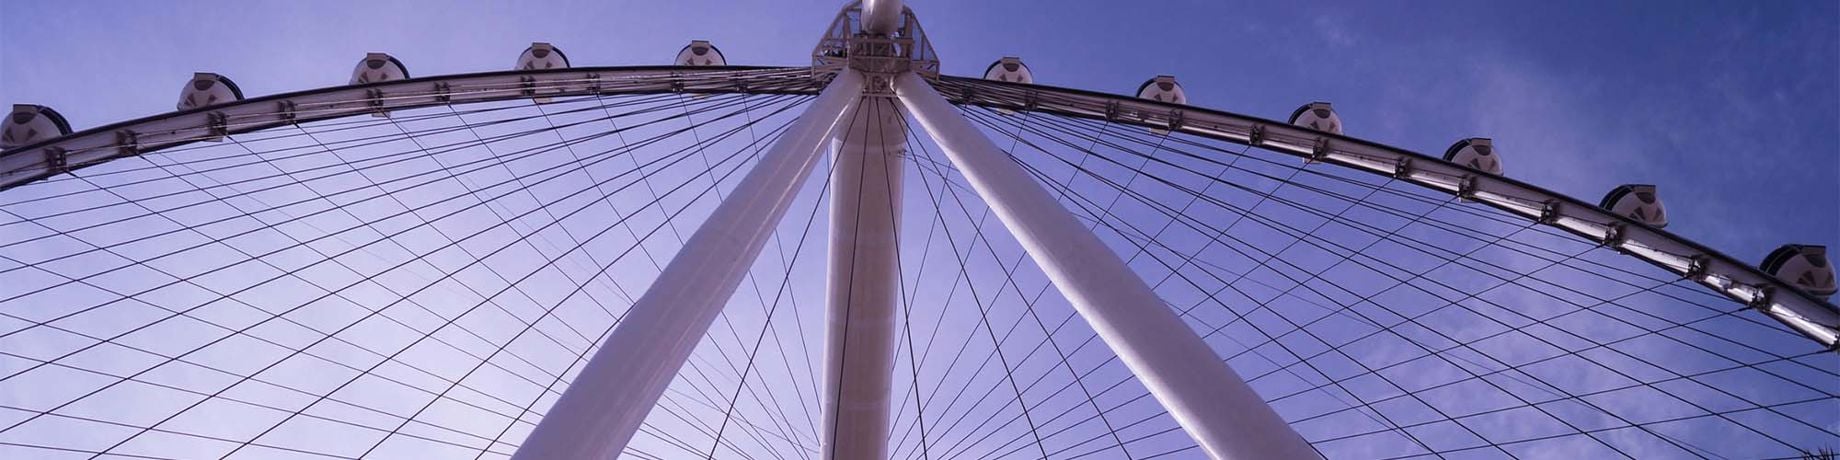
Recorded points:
(864, 281)
(1211, 403)
(599, 412)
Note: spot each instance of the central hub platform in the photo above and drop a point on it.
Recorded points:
(879, 56)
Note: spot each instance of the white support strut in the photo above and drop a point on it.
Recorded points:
(603, 407)
(864, 284)
(1218, 409)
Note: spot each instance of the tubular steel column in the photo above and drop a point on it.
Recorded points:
(599, 412)
(865, 198)
(881, 16)
(864, 273)
(1211, 403)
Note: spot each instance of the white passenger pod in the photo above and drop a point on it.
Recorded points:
(29, 124)
(378, 67)
(1163, 88)
(1477, 153)
(1636, 201)
(1805, 267)
(1009, 69)
(207, 89)
(1318, 116)
(542, 56)
(700, 53)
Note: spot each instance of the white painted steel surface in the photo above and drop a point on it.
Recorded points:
(599, 412)
(881, 16)
(864, 284)
(1218, 409)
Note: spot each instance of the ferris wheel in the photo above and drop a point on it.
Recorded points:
(859, 258)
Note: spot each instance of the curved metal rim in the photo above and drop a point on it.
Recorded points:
(84, 148)
(1810, 316)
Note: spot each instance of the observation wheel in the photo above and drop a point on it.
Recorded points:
(860, 258)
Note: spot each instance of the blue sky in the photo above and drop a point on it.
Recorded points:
(1729, 107)
(1732, 109)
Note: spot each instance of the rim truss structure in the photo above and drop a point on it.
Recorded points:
(415, 267)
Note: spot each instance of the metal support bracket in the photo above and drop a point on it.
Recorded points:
(374, 98)
(1402, 169)
(217, 124)
(290, 112)
(1319, 150)
(127, 143)
(1698, 267)
(57, 159)
(1549, 213)
(1466, 188)
(1615, 234)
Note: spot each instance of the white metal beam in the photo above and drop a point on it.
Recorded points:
(864, 282)
(1218, 409)
(599, 412)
